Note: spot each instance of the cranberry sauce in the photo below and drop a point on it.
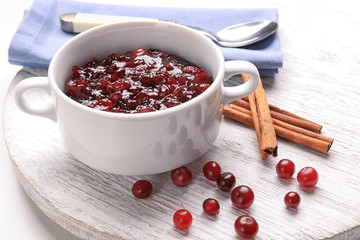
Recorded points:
(138, 81)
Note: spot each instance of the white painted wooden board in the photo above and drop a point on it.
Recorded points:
(319, 81)
(97, 205)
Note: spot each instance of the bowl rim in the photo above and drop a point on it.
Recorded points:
(218, 80)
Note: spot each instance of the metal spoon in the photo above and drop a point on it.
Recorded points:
(238, 35)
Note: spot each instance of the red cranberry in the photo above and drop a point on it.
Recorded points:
(144, 109)
(226, 181)
(242, 197)
(139, 52)
(181, 176)
(285, 168)
(307, 177)
(211, 170)
(211, 206)
(142, 189)
(104, 104)
(292, 199)
(246, 226)
(182, 219)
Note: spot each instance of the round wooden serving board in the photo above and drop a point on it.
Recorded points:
(97, 205)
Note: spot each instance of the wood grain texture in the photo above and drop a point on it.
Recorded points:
(319, 81)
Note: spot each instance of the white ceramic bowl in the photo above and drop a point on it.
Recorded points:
(144, 143)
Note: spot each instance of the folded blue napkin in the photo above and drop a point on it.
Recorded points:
(39, 35)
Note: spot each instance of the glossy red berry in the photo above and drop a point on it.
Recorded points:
(211, 170)
(182, 219)
(181, 176)
(285, 168)
(292, 200)
(307, 177)
(246, 226)
(211, 206)
(140, 51)
(226, 181)
(142, 189)
(242, 197)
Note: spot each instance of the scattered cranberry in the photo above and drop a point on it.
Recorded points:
(285, 168)
(246, 226)
(136, 82)
(142, 189)
(211, 206)
(226, 181)
(242, 197)
(292, 199)
(307, 177)
(182, 219)
(181, 176)
(211, 170)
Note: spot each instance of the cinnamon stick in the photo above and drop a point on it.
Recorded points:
(287, 125)
(263, 122)
(315, 141)
(285, 116)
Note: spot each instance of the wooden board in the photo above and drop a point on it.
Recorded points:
(97, 205)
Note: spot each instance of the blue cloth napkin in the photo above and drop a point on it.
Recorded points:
(39, 35)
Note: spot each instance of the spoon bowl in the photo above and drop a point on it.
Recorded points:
(243, 34)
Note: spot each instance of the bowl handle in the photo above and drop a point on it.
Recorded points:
(47, 110)
(240, 67)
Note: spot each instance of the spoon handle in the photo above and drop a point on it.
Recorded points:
(205, 32)
(79, 22)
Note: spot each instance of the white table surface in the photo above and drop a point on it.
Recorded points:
(21, 218)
